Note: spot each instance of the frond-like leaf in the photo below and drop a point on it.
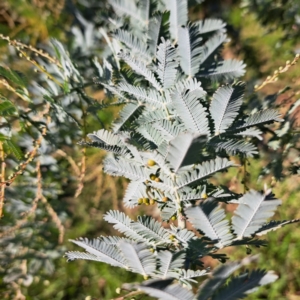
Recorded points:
(178, 15)
(152, 134)
(167, 63)
(253, 211)
(189, 275)
(169, 130)
(210, 219)
(233, 147)
(126, 113)
(103, 252)
(124, 167)
(252, 132)
(225, 106)
(189, 47)
(122, 223)
(191, 85)
(163, 289)
(127, 8)
(152, 117)
(261, 117)
(191, 194)
(274, 225)
(105, 136)
(158, 26)
(140, 259)
(180, 148)
(184, 236)
(191, 111)
(203, 171)
(169, 263)
(211, 25)
(211, 47)
(133, 44)
(224, 70)
(220, 275)
(134, 191)
(140, 68)
(114, 149)
(149, 96)
(152, 230)
(239, 287)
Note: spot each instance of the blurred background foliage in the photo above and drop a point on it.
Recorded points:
(63, 193)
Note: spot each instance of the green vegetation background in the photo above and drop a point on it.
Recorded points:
(264, 47)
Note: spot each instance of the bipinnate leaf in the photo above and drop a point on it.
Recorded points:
(210, 220)
(219, 277)
(210, 25)
(134, 191)
(202, 171)
(105, 136)
(169, 263)
(123, 223)
(232, 147)
(98, 251)
(149, 96)
(139, 258)
(190, 50)
(178, 15)
(225, 105)
(211, 47)
(167, 63)
(240, 286)
(274, 225)
(191, 111)
(224, 70)
(252, 213)
(181, 148)
(158, 26)
(125, 167)
(261, 117)
(128, 8)
(151, 230)
(163, 289)
(140, 68)
(126, 113)
(135, 45)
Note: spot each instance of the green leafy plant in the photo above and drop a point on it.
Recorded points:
(181, 124)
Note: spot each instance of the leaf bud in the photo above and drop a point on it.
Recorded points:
(152, 177)
(152, 201)
(204, 195)
(151, 163)
(145, 200)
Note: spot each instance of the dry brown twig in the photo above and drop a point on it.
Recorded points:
(82, 173)
(2, 178)
(274, 77)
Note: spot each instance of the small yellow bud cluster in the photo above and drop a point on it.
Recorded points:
(146, 201)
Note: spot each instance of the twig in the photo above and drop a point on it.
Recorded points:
(2, 178)
(55, 219)
(82, 173)
(274, 77)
